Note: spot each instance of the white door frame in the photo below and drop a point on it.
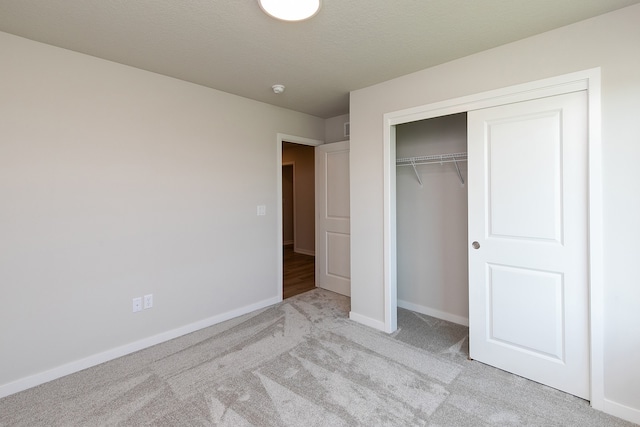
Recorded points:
(583, 80)
(280, 138)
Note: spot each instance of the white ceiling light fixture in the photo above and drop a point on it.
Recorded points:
(290, 10)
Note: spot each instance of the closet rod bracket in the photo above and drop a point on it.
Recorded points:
(415, 169)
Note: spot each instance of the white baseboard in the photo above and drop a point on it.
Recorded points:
(434, 313)
(304, 251)
(367, 321)
(96, 359)
(621, 411)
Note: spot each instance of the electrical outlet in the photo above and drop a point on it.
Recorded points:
(262, 210)
(148, 301)
(137, 304)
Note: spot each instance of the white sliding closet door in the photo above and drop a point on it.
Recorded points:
(528, 282)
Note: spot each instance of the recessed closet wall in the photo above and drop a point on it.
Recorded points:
(432, 220)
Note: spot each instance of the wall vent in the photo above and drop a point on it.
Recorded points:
(347, 130)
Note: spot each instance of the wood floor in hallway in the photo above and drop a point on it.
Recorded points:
(299, 273)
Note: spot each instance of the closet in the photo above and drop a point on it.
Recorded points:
(431, 217)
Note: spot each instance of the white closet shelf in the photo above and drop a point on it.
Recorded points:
(435, 158)
(432, 159)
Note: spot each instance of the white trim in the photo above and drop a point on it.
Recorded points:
(509, 95)
(297, 140)
(582, 80)
(367, 321)
(464, 321)
(596, 230)
(280, 138)
(389, 228)
(114, 353)
(621, 411)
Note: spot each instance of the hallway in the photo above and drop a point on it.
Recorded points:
(299, 273)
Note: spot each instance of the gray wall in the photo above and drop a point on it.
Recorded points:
(115, 183)
(287, 204)
(302, 156)
(431, 221)
(610, 42)
(334, 129)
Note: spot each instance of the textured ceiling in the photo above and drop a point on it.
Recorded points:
(231, 45)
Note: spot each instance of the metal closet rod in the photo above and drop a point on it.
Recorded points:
(432, 159)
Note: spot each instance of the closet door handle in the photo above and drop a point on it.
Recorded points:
(475, 245)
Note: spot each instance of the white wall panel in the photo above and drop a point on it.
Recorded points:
(116, 183)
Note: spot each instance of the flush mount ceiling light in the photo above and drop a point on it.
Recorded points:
(290, 10)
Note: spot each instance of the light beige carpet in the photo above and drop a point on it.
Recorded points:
(301, 363)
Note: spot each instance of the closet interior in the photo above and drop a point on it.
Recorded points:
(431, 217)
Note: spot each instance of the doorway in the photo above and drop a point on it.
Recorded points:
(298, 218)
(431, 211)
(581, 81)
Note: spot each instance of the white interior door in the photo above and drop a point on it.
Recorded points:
(528, 282)
(333, 240)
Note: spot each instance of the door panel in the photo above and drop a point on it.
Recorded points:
(515, 293)
(525, 181)
(528, 289)
(337, 179)
(337, 264)
(333, 240)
